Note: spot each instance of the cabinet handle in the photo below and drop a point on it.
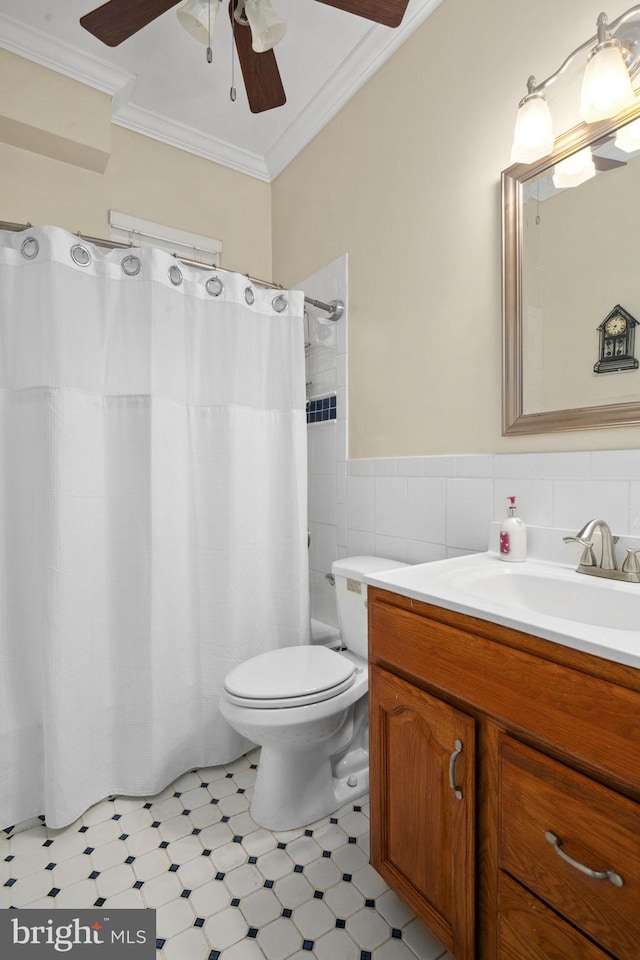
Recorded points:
(452, 770)
(556, 843)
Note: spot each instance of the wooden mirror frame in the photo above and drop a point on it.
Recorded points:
(514, 420)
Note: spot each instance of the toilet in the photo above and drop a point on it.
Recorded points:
(307, 708)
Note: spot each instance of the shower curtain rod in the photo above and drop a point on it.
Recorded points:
(335, 308)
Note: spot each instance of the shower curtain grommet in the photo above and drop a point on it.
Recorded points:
(279, 304)
(175, 275)
(249, 296)
(30, 248)
(214, 286)
(131, 266)
(80, 255)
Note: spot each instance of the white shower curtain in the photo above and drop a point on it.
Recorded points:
(152, 513)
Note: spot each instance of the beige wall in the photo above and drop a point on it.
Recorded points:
(143, 177)
(406, 180)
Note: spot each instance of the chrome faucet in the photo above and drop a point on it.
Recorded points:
(608, 566)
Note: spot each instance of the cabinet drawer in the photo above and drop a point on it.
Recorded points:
(594, 827)
(527, 930)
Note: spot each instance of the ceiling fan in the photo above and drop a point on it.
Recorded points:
(117, 20)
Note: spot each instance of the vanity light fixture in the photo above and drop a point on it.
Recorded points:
(613, 61)
(628, 137)
(575, 169)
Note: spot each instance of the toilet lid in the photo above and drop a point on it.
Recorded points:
(295, 675)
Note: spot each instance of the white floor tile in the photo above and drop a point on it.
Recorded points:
(223, 887)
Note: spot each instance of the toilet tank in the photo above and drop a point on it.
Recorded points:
(351, 598)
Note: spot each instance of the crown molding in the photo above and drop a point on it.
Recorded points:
(61, 57)
(373, 50)
(154, 125)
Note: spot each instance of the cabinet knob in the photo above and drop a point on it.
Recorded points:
(452, 770)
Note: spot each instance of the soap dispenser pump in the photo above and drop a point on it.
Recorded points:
(513, 535)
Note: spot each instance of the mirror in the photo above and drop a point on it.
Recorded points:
(569, 260)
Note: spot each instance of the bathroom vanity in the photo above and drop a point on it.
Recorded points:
(505, 783)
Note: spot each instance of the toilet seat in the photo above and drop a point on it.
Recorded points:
(289, 677)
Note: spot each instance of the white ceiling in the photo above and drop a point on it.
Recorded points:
(162, 85)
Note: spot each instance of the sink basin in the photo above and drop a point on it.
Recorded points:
(549, 600)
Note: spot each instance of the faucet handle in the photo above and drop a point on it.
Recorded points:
(587, 559)
(631, 563)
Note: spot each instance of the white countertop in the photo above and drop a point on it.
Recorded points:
(546, 599)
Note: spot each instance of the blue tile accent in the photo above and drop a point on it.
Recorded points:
(99, 902)
(160, 944)
(237, 839)
(396, 934)
(174, 867)
(195, 831)
(357, 808)
(148, 806)
(88, 850)
(318, 895)
(206, 853)
(129, 860)
(308, 833)
(185, 813)
(346, 877)
(178, 793)
(50, 866)
(326, 853)
(164, 845)
(10, 882)
(353, 839)
(225, 820)
(83, 829)
(369, 903)
(138, 884)
(287, 912)
(215, 802)
(204, 784)
(117, 816)
(123, 836)
(252, 860)
(185, 894)
(253, 932)
(229, 776)
(156, 824)
(298, 868)
(281, 846)
(341, 924)
(365, 955)
(333, 820)
(199, 922)
(324, 408)
(235, 902)
(268, 884)
(214, 955)
(9, 858)
(47, 843)
(219, 875)
(53, 892)
(307, 944)
(94, 875)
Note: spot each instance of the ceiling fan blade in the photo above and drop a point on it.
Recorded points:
(117, 20)
(260, 72)
(387, 12)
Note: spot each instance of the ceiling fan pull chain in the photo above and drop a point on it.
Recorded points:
(233, 92)
(209, 50)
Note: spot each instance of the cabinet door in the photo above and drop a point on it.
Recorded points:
(422, 806)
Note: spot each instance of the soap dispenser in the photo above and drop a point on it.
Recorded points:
(513, 535)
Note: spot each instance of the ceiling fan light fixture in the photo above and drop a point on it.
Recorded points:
(197, 17)
(267, 29)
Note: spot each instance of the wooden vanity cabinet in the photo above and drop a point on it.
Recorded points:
(501, 765)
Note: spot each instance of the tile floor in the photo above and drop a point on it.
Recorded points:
(223, 887)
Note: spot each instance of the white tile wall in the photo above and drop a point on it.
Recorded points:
(419, 509)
